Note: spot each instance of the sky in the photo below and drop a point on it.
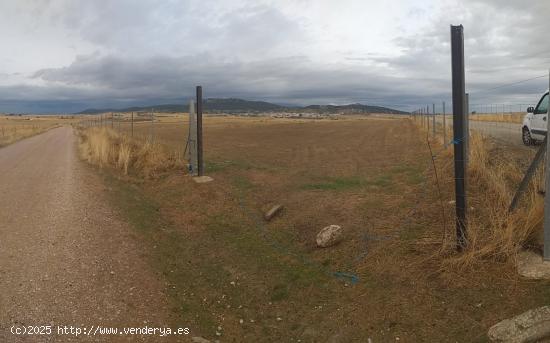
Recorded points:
(63, 56)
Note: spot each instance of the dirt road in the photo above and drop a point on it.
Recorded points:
(65, 257)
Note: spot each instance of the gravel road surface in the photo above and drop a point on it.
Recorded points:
(66, 257)
(504, 132)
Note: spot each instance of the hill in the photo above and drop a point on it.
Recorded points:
(230, 105)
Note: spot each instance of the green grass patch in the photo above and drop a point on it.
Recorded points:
(335, 184)
(413, 174)
(218, 166)
(203, 265)
(350, 183)
(171, 254)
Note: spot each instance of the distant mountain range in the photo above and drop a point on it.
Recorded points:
(214, 105)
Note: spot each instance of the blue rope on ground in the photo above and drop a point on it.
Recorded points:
(352, 277)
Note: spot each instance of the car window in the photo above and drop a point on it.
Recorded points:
(542, 107)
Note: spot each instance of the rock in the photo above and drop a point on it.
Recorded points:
(202, 179)
(532, 266)
(530, 326)
(273, 212)
(199, 340)
(329, 236)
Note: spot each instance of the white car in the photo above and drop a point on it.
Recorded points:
(535, 122)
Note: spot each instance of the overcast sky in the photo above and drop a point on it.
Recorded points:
(65, 55)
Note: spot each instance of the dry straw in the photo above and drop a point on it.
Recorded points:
(107, 148)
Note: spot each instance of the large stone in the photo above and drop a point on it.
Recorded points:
(530, 326)
(202, 179)
(532, 266)
(329, 236)
(273, 212)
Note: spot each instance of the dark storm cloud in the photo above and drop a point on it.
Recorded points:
(285, 80)
(152, 52)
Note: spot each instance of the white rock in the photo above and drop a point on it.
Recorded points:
(329, 236)
(530, 326)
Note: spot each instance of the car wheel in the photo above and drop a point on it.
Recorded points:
(526, 137)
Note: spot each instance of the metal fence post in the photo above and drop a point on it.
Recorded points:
(200, 162)
(444, 128)
(132, 124)
(460, 132)
(547, 197)
(433, 119)
(428, 117)
(152, 124)
(192, 139)
(467, 126)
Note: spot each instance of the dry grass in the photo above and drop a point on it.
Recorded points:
(493, 232)
(13, 129)
(107, 148)
(516, 118)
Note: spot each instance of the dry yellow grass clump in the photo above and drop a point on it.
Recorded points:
(493, 231)
(501, 118)
(13, 133)
(107, 148)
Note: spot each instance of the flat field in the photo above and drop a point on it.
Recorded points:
(14, 128)
(232, 274)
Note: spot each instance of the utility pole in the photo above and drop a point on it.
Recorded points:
(460, 133)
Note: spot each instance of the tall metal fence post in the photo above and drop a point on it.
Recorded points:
(428, 117)
(112, 121)
(433, 119)
(444, 128)
(200, 162)
(546, 254)
(132, 124)
(152, 124)
(460, 132)
(192, 139)
(467, 126)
